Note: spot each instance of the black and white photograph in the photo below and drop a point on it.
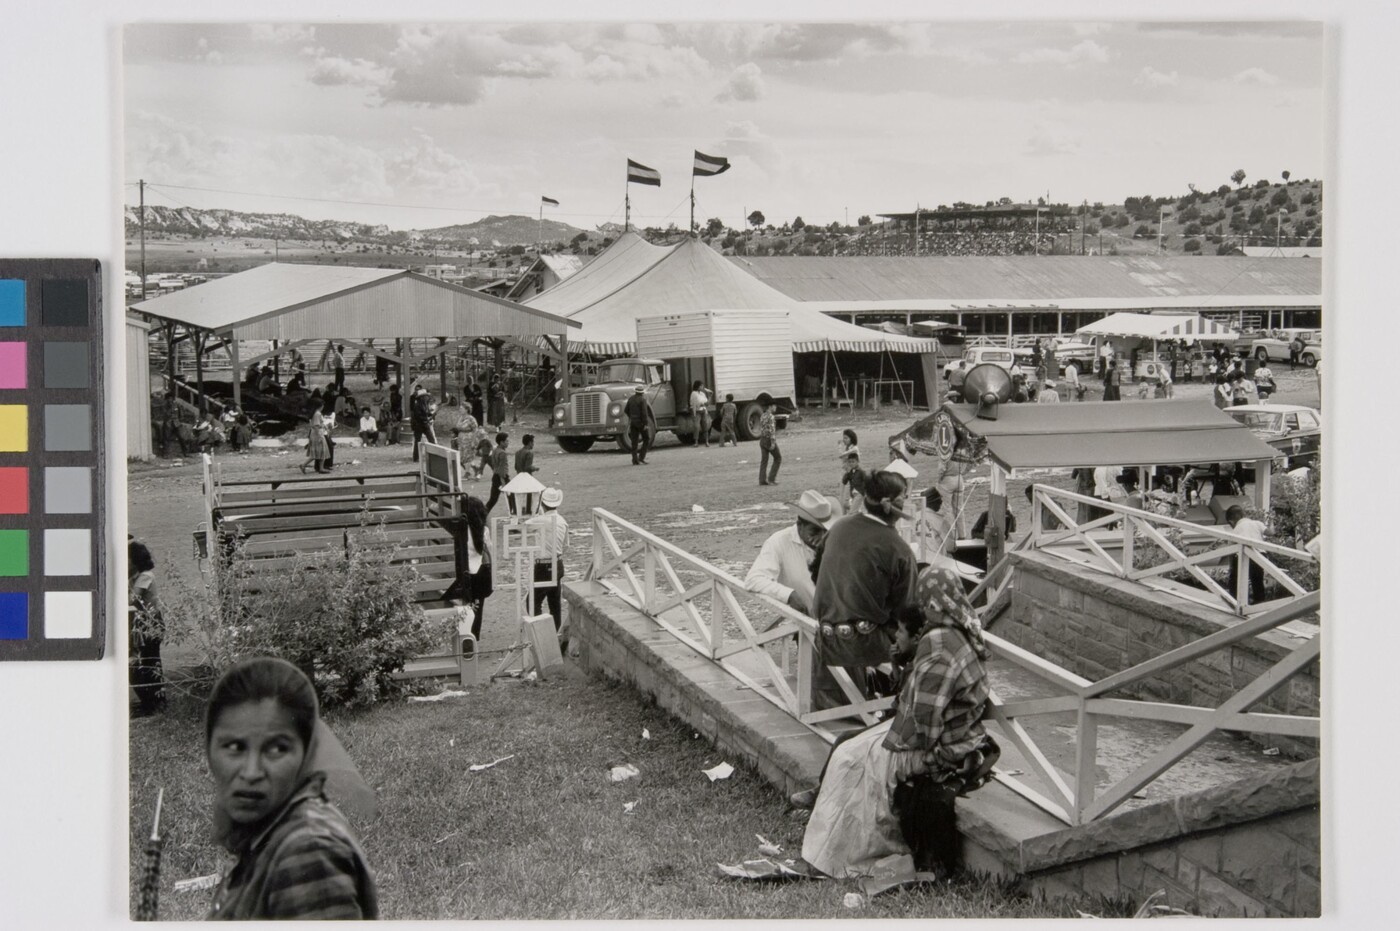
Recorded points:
(664, 463)
(470, 357)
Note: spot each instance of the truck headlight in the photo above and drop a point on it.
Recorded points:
(615, 410)
(559, 413)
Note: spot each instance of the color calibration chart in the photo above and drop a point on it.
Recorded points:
(52, 546)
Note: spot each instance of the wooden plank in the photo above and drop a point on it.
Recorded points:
(1086, 758)
(543, 640)
(860, 709)
(1154, 766)
(1041, 667)
(1030, 707)
(1032, 796)
(1289, 725)
(1042, 767)
(315, 479)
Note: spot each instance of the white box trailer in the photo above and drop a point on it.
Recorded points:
(738, 352)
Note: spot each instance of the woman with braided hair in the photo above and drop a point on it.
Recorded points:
(886, 795)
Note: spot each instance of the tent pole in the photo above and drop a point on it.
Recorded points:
(442, 363)
(237, 373)
(825, 361)
(199, 371)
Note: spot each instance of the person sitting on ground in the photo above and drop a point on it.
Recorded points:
(267, 382)
(207, 433)
(369, 429)
(783, 569)
(274, 763)
(885, 801)
(297, 383)
(1049, 394)
(240, 435)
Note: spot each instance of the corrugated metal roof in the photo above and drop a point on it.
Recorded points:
(839, 282)
(633, 278)
(284, 302)
(1110, 433)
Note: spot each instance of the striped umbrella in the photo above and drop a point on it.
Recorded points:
(149, 904)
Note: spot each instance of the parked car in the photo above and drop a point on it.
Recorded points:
(1293, 430)
(996, 355)
(1274, 346)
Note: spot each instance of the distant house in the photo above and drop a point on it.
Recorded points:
(544, 273)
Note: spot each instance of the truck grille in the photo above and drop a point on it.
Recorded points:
(588, 409)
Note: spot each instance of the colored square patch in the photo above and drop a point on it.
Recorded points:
(14, 616)
(67, 552)
(14, 428)
(12, 302)
(66, 365)
(13, 365)
(14, 553)
(67, 427)
(67, 490)
(14, 490)
(67, 615)
(64, 302)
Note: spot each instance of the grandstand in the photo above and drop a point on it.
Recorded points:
(999, 229)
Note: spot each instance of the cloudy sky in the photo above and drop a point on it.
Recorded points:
(420, 126)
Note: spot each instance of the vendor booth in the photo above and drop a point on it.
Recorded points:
(1140, 342)
(1089, 435)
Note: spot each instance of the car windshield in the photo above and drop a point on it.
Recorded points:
(1259, 421)
(624, 371)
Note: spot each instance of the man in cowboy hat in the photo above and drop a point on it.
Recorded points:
(783, 569)
(640, 424)
(549, 564)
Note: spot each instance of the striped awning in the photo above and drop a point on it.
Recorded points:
(1158, 326)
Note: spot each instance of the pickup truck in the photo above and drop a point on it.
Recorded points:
(1273, 347)
(995, 355)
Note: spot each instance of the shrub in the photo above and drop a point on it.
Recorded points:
(1192, 229)
(1280, 198)
(1307, 198)
(1121, 221)
(346, 618)
(1231, 201)
(1142, 230)
(1191, 245)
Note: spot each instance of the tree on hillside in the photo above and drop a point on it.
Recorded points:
(798, 225)
(1286, 174)
(1223, 190)
(714, 226)
(863, 220)
(1238, 177)
(757, 219)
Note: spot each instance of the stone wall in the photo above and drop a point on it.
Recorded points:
(1095, 625)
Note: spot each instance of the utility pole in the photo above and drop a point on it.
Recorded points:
(142, 184)
(1161, 215)
(916, 229)
(1083, 228)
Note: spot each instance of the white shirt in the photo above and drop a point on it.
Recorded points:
(1249, 528)
(1048, 395)
(783, 564)
(1072, 374)
(367, 425)
(554, 533)
(698, 400)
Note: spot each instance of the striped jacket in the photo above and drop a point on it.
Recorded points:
(306, 864)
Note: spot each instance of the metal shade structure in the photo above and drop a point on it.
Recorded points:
(293, 302)
(1105, 433)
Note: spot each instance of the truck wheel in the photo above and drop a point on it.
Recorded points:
(1309, 359)
(749, 417)
(576, 444)
(624, 440)
(1262, 355)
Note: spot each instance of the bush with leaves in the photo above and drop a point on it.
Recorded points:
(346, 617)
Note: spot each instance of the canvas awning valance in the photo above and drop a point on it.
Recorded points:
(1158, 327)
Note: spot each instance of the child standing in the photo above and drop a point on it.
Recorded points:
(728, 414)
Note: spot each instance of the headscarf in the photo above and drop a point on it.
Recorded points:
(326, 764)
(940, 596)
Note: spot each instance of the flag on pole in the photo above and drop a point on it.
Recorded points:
(549, 200)
(709, 165)
(641, 174)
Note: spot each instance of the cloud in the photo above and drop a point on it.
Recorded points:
(673, 101)
(1090, 29)
(743, 139)
(280, 33)
(1051, 140)
(331, 71)
(1151, 77)
(1255, 76)
(745, 83)
(1086, 51)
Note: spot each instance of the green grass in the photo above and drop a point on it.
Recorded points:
(542, 835)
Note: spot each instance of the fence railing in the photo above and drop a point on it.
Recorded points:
(712, 612)
(1079, 801)
(1109, 540)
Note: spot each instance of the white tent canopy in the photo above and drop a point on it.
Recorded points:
(1157, 327)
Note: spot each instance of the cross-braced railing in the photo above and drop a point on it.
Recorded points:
(712, 612)
(1079, 800)
(1108, 542)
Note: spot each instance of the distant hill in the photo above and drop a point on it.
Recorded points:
(189, 222)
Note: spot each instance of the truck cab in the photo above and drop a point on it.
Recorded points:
(596, 412)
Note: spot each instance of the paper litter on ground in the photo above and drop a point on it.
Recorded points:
(767, 847)
(448, 693)
(722, 771)
(764, 869)
(696, 508)
(195, 884)
(629, 807)
(853, 900)
(623, 772)
(478, 767)
(646, 734)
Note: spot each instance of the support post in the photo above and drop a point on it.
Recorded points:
(442, 368)
(199, 371)
(237, 372)
(995, 534)
(563, 398)
(1086, 761)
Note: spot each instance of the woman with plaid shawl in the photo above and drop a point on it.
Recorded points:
(885, 804)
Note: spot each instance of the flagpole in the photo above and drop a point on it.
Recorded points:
(626, 209)
(692, 203)
(539, 230)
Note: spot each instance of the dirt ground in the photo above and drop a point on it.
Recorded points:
(165, 499)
